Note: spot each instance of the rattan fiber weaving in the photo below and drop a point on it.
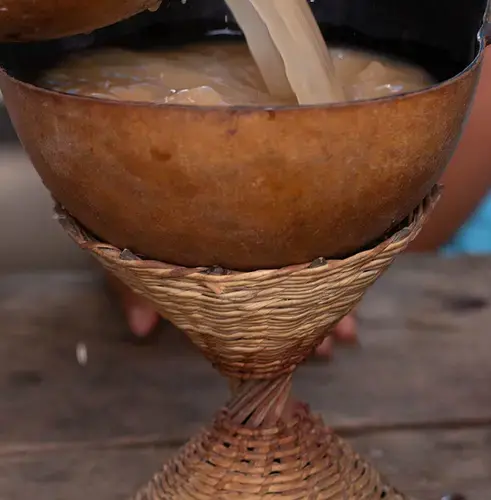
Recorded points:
(258, 324)
(256, 328)
(298, 460)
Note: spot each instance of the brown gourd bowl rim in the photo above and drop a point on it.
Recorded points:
(256, 109)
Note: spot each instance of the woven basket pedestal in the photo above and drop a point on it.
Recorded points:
(256, 328)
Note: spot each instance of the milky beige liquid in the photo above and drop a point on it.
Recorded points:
(217, 73)
(292, 33)
(263, 48)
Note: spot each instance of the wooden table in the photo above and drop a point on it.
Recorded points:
(415, 397)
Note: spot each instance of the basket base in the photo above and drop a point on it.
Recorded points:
(299, 459)
(256, 328)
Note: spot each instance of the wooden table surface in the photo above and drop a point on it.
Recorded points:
(415, 397)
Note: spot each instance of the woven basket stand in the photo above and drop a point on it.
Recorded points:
(256, 328)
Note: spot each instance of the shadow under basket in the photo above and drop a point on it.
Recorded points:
(256, 328)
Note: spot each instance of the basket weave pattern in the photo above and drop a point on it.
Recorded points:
(259, 324)
(299, 460)
(256, 328)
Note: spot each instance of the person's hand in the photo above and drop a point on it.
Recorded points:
(143, 319)
(344, 333)
(140, 315)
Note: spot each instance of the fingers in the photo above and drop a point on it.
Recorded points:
(143, 319)
(344, 332)
(325, 349)
(141, 316)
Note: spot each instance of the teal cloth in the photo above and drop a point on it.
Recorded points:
(474, 238)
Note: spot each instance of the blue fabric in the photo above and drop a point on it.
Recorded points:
(474, 238)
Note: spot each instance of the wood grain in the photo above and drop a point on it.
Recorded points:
(427, 465)
(415, 394)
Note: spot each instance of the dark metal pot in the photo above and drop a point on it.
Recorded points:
(249, 188)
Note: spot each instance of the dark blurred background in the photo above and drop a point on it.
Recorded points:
(30, 239)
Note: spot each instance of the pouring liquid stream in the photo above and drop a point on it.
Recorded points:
(284, 62)
(287, 30)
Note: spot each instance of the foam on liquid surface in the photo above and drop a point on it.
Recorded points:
(217, 73)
